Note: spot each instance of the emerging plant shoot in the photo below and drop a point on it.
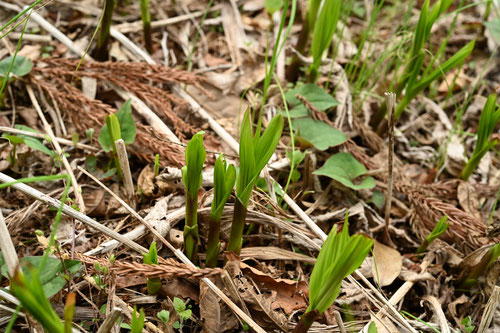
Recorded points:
(255, 152)
(192, 178)
(340, 255)
(224, 178)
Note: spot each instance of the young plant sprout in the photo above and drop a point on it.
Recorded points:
(255, 152)
(487, 122)
(192, 178)
(101, 52)
(323, 32)
(29, 291)
(224, 178)
(438, 230)
(153, 284)
(137, 322)
(118, 126)
(340, 255)
(146, 23)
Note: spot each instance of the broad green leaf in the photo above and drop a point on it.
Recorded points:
(21, 67)
(318, 97)
(15, 140)
(344, 168)
(186, 314)
(372, 328)
(51, 275)
(164, 316)
(318, 133)
(36, 144)
(127, 128)
(179, 305)
(273, 5)
(151, 258)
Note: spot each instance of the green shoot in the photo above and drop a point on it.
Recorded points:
(438, 230)
(487, 122)
(415, 78)
(30, 293)
(16, 65)
(255, 152)
(468, 280)
(101, 52)
(340, 255)
(118, 126)
(151, 258)
(324, 29)
(224, 178)
(182, 311)
(192, 177)
(137, 322)
(157, 165)
(146, 23)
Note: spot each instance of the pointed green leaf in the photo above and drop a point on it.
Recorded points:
(319, 133)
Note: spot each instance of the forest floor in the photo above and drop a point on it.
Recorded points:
(211, 61)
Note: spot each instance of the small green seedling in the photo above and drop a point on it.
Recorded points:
(137, 322)
(224, 178)
(340, 255)
(344, 168)
(438, 230)
(192, 177)
(324, 28)
(14, 65)
(164, 316)
(30, 293)
(151, 258)
(466, 281)
(146, 24)
(118, 126)
(255, 152)
(99, 277)
(182, 311)
(487, 123)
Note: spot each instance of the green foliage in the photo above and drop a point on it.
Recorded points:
(153, 284)
(31, 142)
(255, 152)
(224, 178)
(119, 126)
(52, 277)
(315, 95)
(183, 313)
(273, 6)
(487, 123)
(157, 165)
(323, 32)
(467, 324)
(29, 291)
(195, 156)
(340, 255)
(137, 323)
(372, 328)
(438, 230)
(318, 133)
(19, 66)
(164, 316)
(344, 168)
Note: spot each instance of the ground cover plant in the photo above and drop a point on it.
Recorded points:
(189, 166)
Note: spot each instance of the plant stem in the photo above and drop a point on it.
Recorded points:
(101, 52)
(305, 322)
(292, 73)
(191, 228)
(146, 23)
(235, 239)
(213, 245)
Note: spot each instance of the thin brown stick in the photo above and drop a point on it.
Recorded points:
(127, 175)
